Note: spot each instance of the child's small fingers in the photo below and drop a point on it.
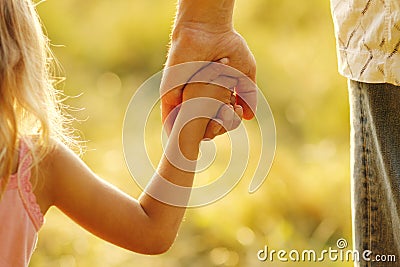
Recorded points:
(231, 116)
(227, 114)
(228, 118)
(222, 131)
(233, 99)
(213, 128)
(237, 119)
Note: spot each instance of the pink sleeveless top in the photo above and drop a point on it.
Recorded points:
(20, 215)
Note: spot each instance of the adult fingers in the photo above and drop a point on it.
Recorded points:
(237, 118)
(246, 89)
(247, 98)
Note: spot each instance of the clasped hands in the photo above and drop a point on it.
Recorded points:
(224, 66)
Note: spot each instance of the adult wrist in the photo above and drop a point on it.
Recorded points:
(206, 15)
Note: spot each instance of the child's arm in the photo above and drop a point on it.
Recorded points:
(145, 225)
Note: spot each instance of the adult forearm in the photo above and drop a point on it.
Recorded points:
(214, 14)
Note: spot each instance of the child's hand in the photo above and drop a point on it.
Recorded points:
(225, 113)
(229, 116)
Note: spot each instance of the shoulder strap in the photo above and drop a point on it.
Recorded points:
(25, 187)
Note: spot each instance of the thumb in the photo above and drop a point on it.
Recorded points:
(215, 127)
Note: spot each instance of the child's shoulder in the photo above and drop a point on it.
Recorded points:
(46, 153)
(59, 158)
(51, 167)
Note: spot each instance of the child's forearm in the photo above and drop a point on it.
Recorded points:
(148, 226)
(165, 219)
(212, 14)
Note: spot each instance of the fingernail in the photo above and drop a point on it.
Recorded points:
(224, 61)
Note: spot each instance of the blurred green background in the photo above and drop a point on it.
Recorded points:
(108, 48)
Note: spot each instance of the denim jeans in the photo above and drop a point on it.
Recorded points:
(375, 168)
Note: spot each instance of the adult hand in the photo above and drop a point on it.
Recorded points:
(193, 41)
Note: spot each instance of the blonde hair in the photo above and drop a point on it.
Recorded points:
(29, 103)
